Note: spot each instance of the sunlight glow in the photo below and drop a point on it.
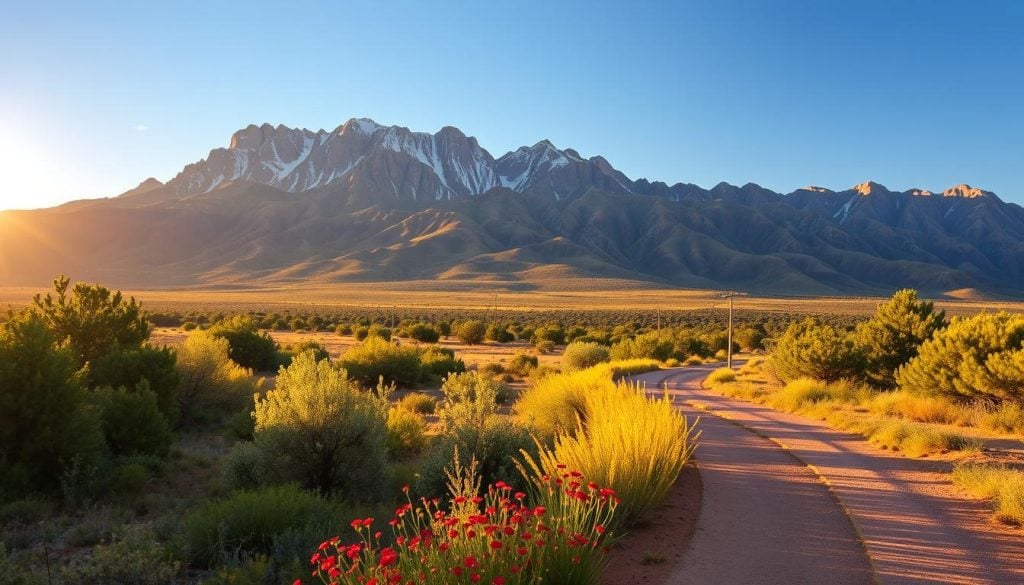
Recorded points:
(30, 178)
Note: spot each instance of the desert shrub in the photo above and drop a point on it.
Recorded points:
(245, 467)
(211, 382)
(47, 429)
(471, 332)
(127, 479)
(522, 364)
(127, 368)
(749, 338)
(582, 355)
(135, 558)
(632, 443)
(424, 332)
(975, 358)
(375, 330)
(418, 402)
(406, 433)
(648, 346)
(926, 409)
(13, 573)
(555, 404)
(470, 399)
(492, 369)
(810, 349)
(247, 345)
(343, 329)
(377, 358)
(499, 334)
(693, 360)
(189, 326)
(1005, 418)
(438, 362)
(544, 346)
(617, 369)
(132, 422)
(893, 335)
(91, 320)
(1003, 485)
(721, 376)
(317, 428)
(319, 351)
(495, 446)
(672, 363)
(915, 439)
(445, 328)
(250, 522)
(553, 333)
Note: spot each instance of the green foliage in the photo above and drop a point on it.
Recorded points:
(11, 573)
(91, 320)
(648, 346)
(471, 332)
(815, 350)
(135, 558)
(975, 358)
(250, 523)
(423, 332)
(418, 402)
(132, 421)
(406, 433)
(470, 399)
(317, 428)
(892, 337)
(555, 404)
(247, 345)
(438, 362)
(128, 368)
(499, 334)
(553, 333)
(582, 355)
(375, 358)
(748, 338)
(46, 426)
(495, 446)
(380, 331)
(211, 382)
(128, 479)
(522, 364)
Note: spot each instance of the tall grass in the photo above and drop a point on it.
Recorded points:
(556, 403)
(1004, 486)
(721, 376)
(635, 444)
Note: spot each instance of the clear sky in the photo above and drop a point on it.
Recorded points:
(96, 96)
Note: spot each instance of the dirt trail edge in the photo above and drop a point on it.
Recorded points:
(781, 519)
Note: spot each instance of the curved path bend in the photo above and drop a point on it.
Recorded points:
(769, 517)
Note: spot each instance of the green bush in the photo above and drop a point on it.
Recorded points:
(128, 479)
(893, 335)
(319, 351)
(582, 355)
(376, 358)
(247, 346)
(136, 558)
(553, 333)
(424, 332)
(471, 332)
(522, 364)
(648, 346)
(438, 362)
(496, 447)
(380, 331)
(418, 402)
(544, 346)
(406, 433)
(469, 400)
(211, 382)
(48, 430)
(317, 428)
(250, 522)
(975, 358)
(814, 350)
(132, 421)
(127, 368)
(499, 334)
(91, 320)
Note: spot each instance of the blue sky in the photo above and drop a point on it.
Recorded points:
(94, 98)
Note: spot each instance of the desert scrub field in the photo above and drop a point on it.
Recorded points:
(223, 452)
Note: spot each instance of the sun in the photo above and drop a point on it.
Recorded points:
(30, 179)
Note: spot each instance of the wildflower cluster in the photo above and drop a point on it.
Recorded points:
(493, 539)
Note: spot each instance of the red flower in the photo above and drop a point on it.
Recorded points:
(495, 544)
(470, 561)
(388, 556)
(498, 581)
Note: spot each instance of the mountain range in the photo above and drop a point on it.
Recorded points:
(367, 202)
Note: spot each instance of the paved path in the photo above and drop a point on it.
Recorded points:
(768, 519)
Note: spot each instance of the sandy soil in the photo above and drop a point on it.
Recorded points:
(916, 526)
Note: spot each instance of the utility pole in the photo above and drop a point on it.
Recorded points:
(730, 295)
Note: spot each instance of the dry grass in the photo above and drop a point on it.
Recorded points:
(1003, 485)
